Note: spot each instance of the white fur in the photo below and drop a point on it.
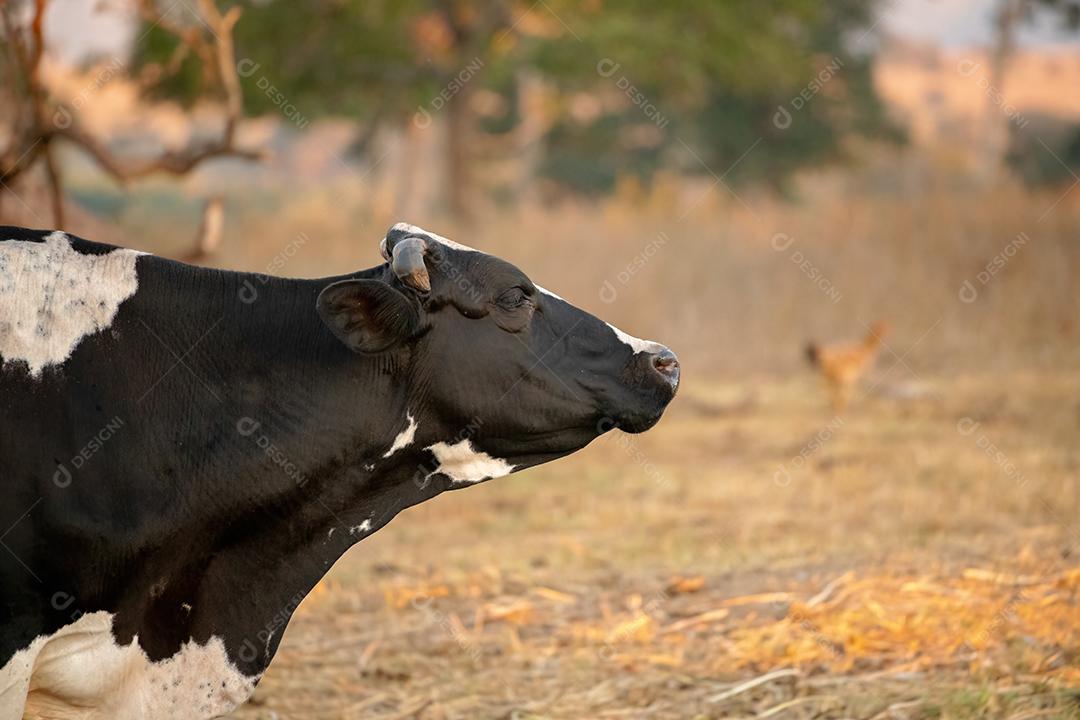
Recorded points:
(361, 528)
(51, 297)
(404, 438)
(438, 238)
(637, 344)
(80, 672)
(463, 463)
(548, 292)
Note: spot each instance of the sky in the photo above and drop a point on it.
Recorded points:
(77, 28)
(964, 23)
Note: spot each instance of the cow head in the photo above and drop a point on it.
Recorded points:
(502, 374)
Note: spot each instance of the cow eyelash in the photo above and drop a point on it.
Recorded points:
(513, 298)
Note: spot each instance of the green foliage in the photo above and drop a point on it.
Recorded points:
(1044, 150)
(704, 74)
(187, 83)
(590, 158)
(720, 72)
(347, 57)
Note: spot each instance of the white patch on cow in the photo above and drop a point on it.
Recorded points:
(51, 297)
(637, 344)
(80, 672)
(413, 229)
(404, 438)
(361, 528)
(463, 463)
(548, 292)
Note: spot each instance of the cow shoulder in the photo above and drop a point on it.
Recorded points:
(56, 290)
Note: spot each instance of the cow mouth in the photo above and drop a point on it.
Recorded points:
(635, 424)
(642, 413)
(542, 447)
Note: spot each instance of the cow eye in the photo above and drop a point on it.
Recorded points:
(512, 299)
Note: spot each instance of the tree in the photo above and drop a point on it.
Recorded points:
(380, 61)
(715, 72)
(36, 121)
(1008, 15)
(725, 76)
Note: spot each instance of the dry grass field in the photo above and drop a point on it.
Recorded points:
(912, 564)
(753, 555)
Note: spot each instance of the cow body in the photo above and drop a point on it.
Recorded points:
(184, 452)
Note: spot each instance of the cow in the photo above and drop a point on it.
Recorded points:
(186, 451)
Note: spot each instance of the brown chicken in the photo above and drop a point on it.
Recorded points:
(842, 365)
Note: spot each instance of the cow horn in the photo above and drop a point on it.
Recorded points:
(408, 263)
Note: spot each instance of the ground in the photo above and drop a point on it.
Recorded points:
(751, 556)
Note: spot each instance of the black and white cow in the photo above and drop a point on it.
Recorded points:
(184, 452)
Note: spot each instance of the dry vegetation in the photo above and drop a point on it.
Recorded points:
(900, 572)
(887, 564)
(753, 555)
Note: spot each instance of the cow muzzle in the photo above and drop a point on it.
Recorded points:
(666, 364)
(649, 383)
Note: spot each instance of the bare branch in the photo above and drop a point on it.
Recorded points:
(25, 142)
(34, 128)
(171, 161)
(221, 26)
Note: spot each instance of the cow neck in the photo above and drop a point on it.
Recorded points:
(274, 371)
(298, 424)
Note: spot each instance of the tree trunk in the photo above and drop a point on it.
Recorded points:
(996, 122)
(459, 154)
(533, 123)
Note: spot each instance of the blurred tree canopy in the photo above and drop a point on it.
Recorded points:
(635, 85)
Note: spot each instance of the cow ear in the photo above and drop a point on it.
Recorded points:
(368, 316)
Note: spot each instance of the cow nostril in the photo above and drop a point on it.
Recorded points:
(665, 362)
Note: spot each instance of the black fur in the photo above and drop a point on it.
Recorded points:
(251, 436)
